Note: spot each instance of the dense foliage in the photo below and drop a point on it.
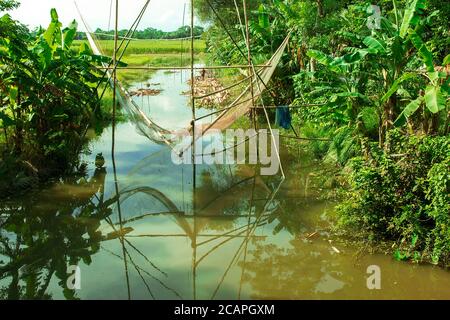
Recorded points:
(47, 98)
(402, 193)
(355, 75)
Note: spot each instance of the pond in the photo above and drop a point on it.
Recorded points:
(138, 229)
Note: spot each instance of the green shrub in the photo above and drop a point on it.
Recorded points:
(402, 194)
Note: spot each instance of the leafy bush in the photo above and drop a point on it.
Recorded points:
(402, 194)
(48, 97)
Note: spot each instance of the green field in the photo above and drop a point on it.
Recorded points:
(155, 53)
(151, 46)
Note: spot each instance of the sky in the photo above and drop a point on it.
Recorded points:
(166, 15)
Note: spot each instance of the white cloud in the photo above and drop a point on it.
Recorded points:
(162, 14)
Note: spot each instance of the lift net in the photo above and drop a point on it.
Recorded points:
(144, 124)
(239, 107)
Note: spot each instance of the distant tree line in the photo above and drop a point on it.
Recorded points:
(148, 33)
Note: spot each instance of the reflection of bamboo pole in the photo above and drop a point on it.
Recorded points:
(182, 235)
(253, 229)
(248, 234)
(194, 244)
(258, 223)
(116, 38)
(144, 271)
(114, 75)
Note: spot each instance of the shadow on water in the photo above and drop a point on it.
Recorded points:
(248, 237)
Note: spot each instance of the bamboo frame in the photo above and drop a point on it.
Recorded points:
(249, 59)
(251, 227)
(185, 68)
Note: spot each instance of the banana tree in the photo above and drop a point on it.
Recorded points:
(436, 92)
(47, 90)
(399, 53)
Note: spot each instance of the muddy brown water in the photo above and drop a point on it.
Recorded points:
(238, 236)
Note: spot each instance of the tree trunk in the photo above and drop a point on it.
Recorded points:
(434, 128)
(19, 127)
(320, 11)
(387, 118)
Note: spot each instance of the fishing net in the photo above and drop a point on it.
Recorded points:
(238, 108)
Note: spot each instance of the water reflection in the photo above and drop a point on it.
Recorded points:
(248, 239)
(238, 236)
(39, 239)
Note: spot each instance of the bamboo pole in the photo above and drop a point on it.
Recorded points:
(223, 89)
(194, 243)
(116, 184)
(114, 74)
(270, 126)
(249, 59)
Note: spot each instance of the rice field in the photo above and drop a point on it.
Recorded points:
(151, 46)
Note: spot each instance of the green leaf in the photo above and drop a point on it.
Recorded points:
(446, 60)
(263, 17)
(395, 86)
(84, 49)
(414, 239)
(400, 256)
(424, 53)
(409, 110)
(369, 118)
(375, 45)
(13, 93)
(434, 99)
(320, 57)
(354, 57)
(49, 34)
(433, 76)
(410, 18)
(70, 33)
(6, 120)
(353, 95)
(54, 15)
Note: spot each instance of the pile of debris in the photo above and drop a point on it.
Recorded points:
(145, 92)
(205, 86)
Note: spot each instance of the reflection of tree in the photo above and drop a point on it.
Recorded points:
(295, 272)
(301, 268)
(43, 241)
(297, 216)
